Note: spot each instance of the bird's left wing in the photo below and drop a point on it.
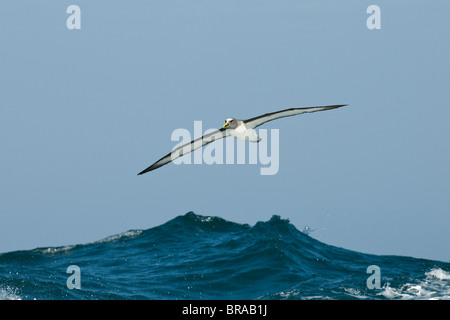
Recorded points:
(187, 148)
(257, 121)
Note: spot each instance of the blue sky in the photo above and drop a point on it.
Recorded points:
(83, 111)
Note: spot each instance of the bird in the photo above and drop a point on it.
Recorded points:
(240, 129)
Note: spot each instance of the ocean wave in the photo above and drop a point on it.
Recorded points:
(205, 257)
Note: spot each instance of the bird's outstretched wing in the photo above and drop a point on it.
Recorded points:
(187, 148)
(257, 121)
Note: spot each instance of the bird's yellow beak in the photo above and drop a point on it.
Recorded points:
(226, 125)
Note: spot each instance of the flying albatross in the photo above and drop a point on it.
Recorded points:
(240, 129)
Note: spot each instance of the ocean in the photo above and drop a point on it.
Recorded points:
(198, 257)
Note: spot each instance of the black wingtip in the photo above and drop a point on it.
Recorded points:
(336, 106)
(151, 168)
(144, 171)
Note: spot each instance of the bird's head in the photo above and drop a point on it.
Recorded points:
(230, 123)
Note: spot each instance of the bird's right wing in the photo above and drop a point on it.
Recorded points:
(187, 148)
(257, 121)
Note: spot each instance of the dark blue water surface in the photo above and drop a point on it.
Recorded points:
(202, 257)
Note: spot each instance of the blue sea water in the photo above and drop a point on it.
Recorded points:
(203, 257)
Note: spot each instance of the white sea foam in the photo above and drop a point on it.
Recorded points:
(66, 249)
(354, 293)
(124, 235)
(8, 293)
(436, 286)
(438, 274)
(55, 250)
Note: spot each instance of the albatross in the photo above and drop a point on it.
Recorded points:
(240, 129)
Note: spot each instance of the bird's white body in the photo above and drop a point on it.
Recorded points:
(243, 133)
